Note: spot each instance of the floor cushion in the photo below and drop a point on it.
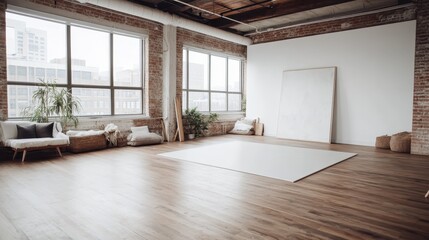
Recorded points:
(383, 142)
(401, 142)
(141, 139)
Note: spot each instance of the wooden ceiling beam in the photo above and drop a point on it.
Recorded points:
(177, 7)
(149, 3)
(279, 9)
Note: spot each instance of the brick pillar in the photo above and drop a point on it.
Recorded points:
(3, 74)
(420, 136)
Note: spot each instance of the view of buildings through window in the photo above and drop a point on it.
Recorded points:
(37, 49)
(211, 83)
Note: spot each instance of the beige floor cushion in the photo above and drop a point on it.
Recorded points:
(401, 142)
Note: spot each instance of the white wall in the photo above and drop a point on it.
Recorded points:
(375, 75)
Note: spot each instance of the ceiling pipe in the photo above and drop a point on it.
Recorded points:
(167, 19)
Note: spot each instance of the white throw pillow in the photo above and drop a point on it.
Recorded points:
(9, 128)
(57, 129)
(142, 129)
(242, 127)
(248, 121)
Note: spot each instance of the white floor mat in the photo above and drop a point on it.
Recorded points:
(274, 161)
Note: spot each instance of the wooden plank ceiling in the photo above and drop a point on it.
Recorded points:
(253, 11)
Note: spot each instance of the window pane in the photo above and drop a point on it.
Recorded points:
(128, 102)
(218, 73)
(127, 61)
(199, 100)
(234, 102)
(31, 43)
(19, 97)
(218, 102)
(185, 69)
(198, 71)
(94, 101)
(184, 100)
(234, 70)
(90, 54)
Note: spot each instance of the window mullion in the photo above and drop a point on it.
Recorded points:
(227, 81)
(112, 89)
(187, 78)
(241, 84)
(68, 57)
(142, 73)
(210, 83)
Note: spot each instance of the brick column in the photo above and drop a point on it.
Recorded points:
(3, 74)
(420, 135)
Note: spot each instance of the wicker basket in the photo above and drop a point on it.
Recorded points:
(382, 142)
(401, 142)
(87, 143)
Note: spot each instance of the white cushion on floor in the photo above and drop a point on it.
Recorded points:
(139, 139)
(142, 129)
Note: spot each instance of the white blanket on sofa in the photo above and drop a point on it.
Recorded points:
(35, 142)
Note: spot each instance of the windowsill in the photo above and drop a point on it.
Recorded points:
(92, 118)
(227, 116)
(107, 118)
(223, 116)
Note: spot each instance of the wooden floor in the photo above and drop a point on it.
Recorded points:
(131, 193)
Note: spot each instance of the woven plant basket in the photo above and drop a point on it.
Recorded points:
(401, 142)
(87, 143)
(382, 142)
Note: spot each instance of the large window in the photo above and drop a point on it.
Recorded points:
(105, 68)
(211, 82)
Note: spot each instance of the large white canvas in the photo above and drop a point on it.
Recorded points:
(306, 104)
(274, 161)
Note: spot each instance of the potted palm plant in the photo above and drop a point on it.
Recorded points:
(197, 122)
(51, 101)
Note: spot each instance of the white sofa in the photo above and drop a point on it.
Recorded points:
(9, 135)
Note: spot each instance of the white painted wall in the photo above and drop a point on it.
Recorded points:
(375, 75)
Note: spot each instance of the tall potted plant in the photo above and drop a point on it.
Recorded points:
(51, 101)
(197, 122)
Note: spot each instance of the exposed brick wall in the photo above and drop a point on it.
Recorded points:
(154, 125)
(189, 38)
(153, 91)
(392, 16)
(420, 135)
(221, 127)
(3, 74)
(153, 84)
(198, 40)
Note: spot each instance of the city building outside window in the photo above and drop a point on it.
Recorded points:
(106, 68)
(211, 82)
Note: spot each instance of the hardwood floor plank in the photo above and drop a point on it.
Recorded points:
(132, 193)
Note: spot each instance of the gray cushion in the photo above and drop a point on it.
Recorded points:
(44, 130)
(26, 131)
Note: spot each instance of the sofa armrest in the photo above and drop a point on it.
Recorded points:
(61, 135)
